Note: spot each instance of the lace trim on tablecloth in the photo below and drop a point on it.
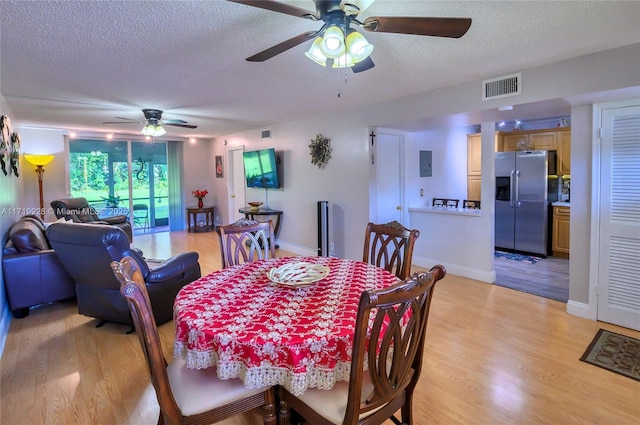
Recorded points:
(266, 375)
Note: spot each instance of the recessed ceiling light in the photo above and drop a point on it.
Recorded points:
(506, 108)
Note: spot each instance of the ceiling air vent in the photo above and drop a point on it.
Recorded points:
(265, 134)
(508, 85)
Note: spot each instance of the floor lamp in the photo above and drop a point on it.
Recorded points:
(39, 161)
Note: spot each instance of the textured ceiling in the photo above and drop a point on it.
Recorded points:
(76, 64)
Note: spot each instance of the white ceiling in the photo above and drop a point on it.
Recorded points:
(76, 64)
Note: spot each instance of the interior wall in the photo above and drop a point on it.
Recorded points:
(449, 165)
(581, 189)
(198, 174)
(342, 182)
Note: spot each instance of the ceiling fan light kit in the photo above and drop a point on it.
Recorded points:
(153, 123)
(153, 130)
(315, 54)
(337, 39)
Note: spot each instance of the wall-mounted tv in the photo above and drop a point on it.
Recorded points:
(261, 169)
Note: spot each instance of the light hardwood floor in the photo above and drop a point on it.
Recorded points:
(493, 356)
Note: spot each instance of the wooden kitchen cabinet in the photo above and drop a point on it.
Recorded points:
(474, 163)
(564, 152)
(547, 140)
(560, 236)
(474, 188)
(544, 140)
(511, 141)
(474, 155)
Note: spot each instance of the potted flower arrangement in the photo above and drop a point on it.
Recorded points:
(200, 194)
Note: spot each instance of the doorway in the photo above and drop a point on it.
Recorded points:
(236, 183)
(387, 194)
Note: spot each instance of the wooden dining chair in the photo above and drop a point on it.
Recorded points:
(390, 246)
(185, 396)
(389, 339)
(245, 241)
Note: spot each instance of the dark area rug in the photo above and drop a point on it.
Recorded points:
(615, 352)
(517, 257)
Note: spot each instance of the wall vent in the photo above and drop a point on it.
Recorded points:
(508, 85)
(265, 134)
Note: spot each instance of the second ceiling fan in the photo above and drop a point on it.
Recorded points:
(338, 38)
(153, 123)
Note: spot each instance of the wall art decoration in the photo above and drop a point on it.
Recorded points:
(219, 170)
(15, 153)
(5, 144)
(320, 151)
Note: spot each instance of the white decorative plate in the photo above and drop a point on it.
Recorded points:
(296, 275)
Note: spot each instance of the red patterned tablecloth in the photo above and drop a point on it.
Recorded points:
(249, 328)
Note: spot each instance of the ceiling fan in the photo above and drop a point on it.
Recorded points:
(153, 122)
(347, 47)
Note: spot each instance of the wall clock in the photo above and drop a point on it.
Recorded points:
(320, 151)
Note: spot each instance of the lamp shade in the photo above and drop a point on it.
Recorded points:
(153, 130)
(315, 53)
(38, 160)
(332, 44)
(344, 61)
(358, 46)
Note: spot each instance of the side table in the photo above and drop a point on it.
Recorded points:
(192, 216)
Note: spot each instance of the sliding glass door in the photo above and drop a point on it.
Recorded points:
(123, 177)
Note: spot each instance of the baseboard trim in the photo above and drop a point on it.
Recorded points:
(583, 310)
(457, 269)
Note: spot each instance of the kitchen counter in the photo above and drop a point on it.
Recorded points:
(561, 204)
(445, 210)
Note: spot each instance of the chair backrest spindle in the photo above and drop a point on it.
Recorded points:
(246, 241)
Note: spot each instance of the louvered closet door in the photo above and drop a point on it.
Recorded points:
(619, 262)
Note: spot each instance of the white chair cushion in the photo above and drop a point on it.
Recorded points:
(332, 404)
(197, 391)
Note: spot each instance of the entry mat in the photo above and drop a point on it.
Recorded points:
(615, 352)
(517, 257)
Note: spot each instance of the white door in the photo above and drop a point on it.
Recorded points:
(619, 246)
(388, 189)
(236, 183)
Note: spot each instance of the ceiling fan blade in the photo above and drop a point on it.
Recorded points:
(276, 6)
(363, 65)
(124, 122)
(181, 125)
(437, 27)
(282, 47)
(174, 122)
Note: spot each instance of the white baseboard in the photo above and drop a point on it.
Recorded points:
(297, 249)
(457, 269)
(583, 310)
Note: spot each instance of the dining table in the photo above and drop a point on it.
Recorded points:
(252, 326)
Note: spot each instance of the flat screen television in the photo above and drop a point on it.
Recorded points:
(261, 169)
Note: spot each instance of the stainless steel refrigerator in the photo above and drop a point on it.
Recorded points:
(522, 201)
